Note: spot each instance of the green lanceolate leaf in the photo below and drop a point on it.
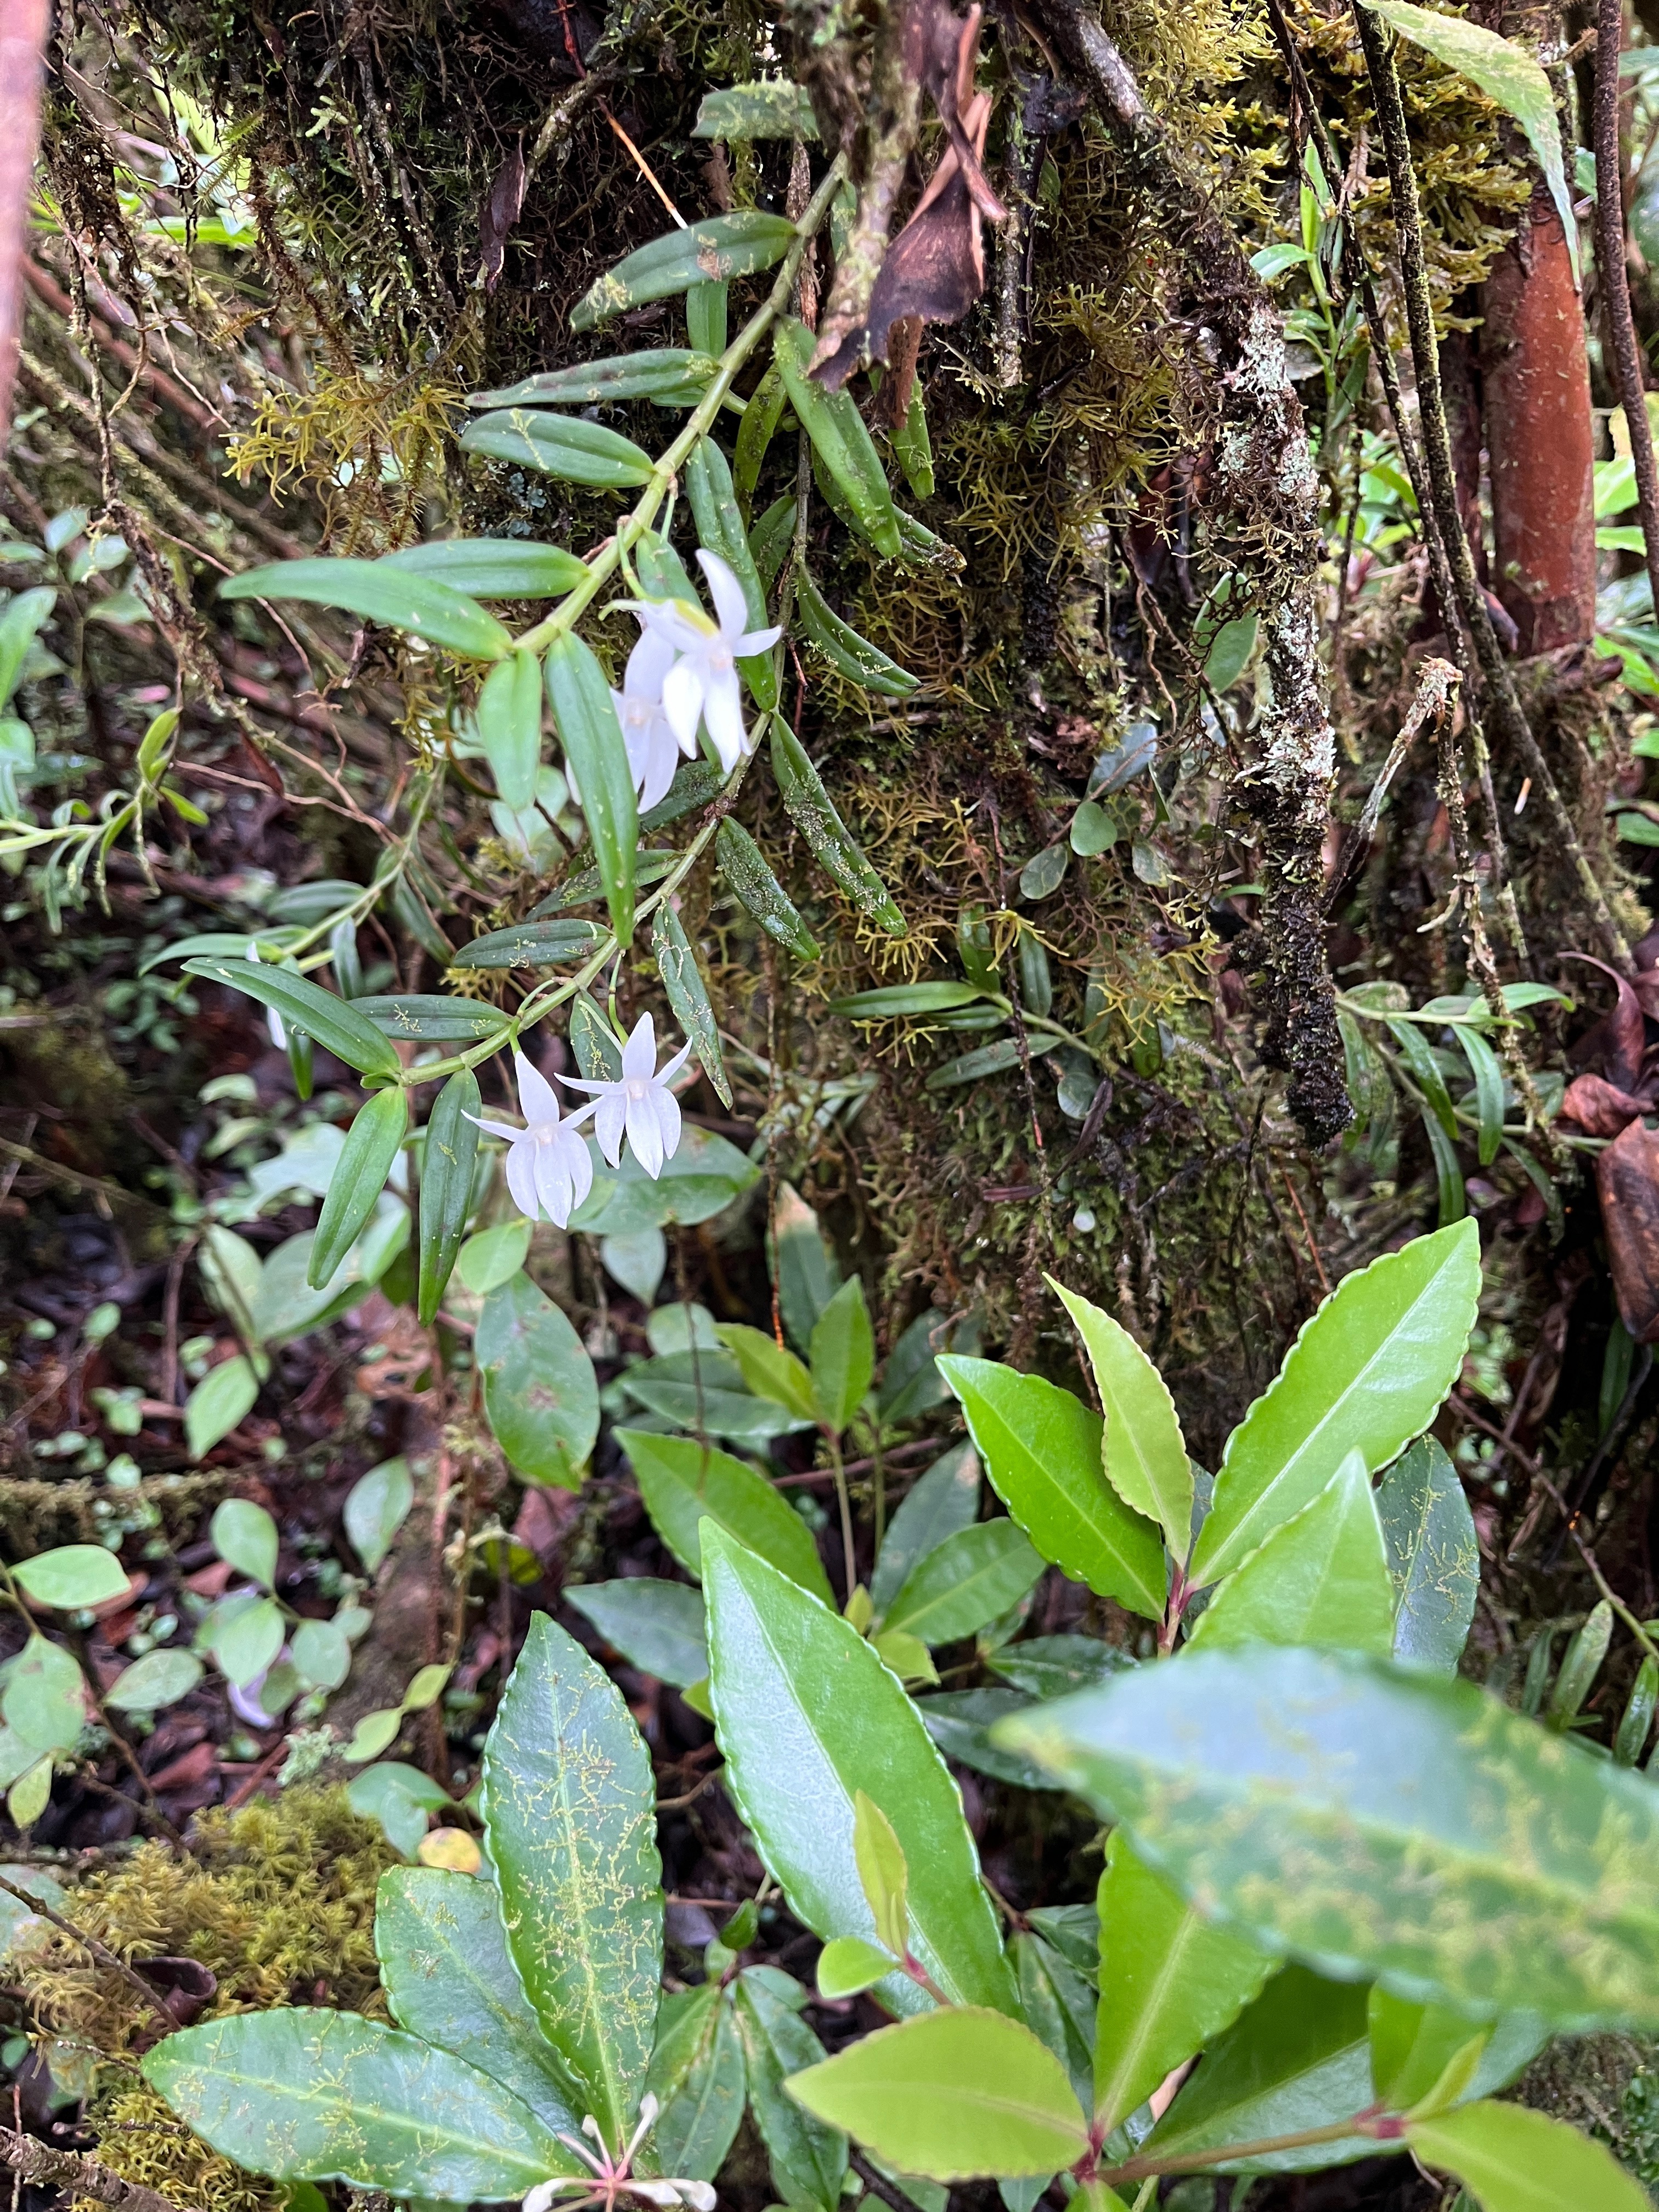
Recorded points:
(685, 1484)
(1169, 1982)
(540, 1394)
(707, 316)
(658, 1627)
(702, 253)
(1142, 1448)
(312, 2095)
(884, 1874)
(832, 421)
(696, 782)
(1434, 1556)
(1041, 1448)
(773, 108)
(335, 1024)
(510, 727)
(1321, 1578)
(450, 1979)
(558, 445)
(669, 373)
(598, 762)
(844, 649)
(807, 1717)
(372, 1145)
(492, 567)
(1516, 2160)
(699, 2077)
(1488, 1091)
(529, 944)
(802, 791)
(808, 2158)
(721, 530)
(943, 1501)
(951, 2095)
(569, 1800)
(970, 1578)
(446, 1163)
(1366, 1373)
(843, 1352)
(688, 994)
(760, 892)
(1376, 1821)
(768, 1369)
(1505, 72)
(760, 420)
(396, 596)
(427, 1017)
(1054, 1666)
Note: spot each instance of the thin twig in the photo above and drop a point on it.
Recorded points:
(32, 2161)
(101, 1952)
(1615, 280)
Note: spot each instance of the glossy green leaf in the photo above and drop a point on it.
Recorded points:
(510, 727)
(529, 944)
(772, 108)
(707, 316)
(944, 1500)
(447, 1164)
(1505, 72)
(688, 994)
(337, 1025)
(1517, 2161)
(1636, 1723)
(540, 1394)
(844, 649)
(309, 2095)
(564, 445)
(808, 1715)
(1142, 1448)
(760, 417)
(1365, 1373)
(1377, 1821)
(669, 373)
(1041, 1448)
(696, 783)
(832, 421)
(245, 1537)
(597, 759)
(721, 530)
(493, 1256)
(699, 2077)
(1434, 1556)
(801, 789)
(809, 2159)
(951, 2095)
(570, 1804)
(399, 1797)
(1415, 1051)
(760, 892)
(966, 1581)
(1169, 1982)
(1054, 1666)
(428, 1018)
(705, 1176)
(772, 535)
(895, 1001)
(709, 252)
(72, 1576)
(847, 1965)
(683, 1484)
(1423, 2057)
(393, 596)
(450, 1979)
(1321, 1578)
(843, 1356)
(705, 1409)
(1448, 1173)
(372, 1146)
(158, 1680)
(493, 568)
(658, 1627)
(768, 1369)
(803, 1262)
(1488, 1090)
(377, 1505)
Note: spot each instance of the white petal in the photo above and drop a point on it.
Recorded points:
(609, 1123)
(538, 1100)
(726, 592)
(668, 1114)
(682, 698)
(648, 663)
(521, 1179)
(756, 640)
(578, 1162)
(640, 1053)
(656, 771)
(494, 1128)
(655, 2192)
(698, 2195)
(552, 1183)
(667, 1073)
(722, 716)
(683, 627)
(645, 1134)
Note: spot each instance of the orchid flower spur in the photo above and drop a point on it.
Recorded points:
(640, 1106)
(654, 747)
(549, 1168)
(703, 683)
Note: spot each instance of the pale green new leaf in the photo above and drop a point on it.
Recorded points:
(769, 1369)
(570, 1804)
(1379, 1822)
(1434, 1556)
(951, 2095)
(1365, 1374)
(72, 1576)
(843, 1351)
(807, 1717)
(1517, 2161)
(314, 2095)
(1321, 1578)
(1041, 1448)
(1142, 1448)
(685, 1484)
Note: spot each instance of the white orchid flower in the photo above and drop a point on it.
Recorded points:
(640, 1106)
(275, 1027)
(704, 684)
(653, 749)
(610, 2178)
(549, 1168)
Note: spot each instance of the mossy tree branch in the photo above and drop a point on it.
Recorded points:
(33, 2162)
